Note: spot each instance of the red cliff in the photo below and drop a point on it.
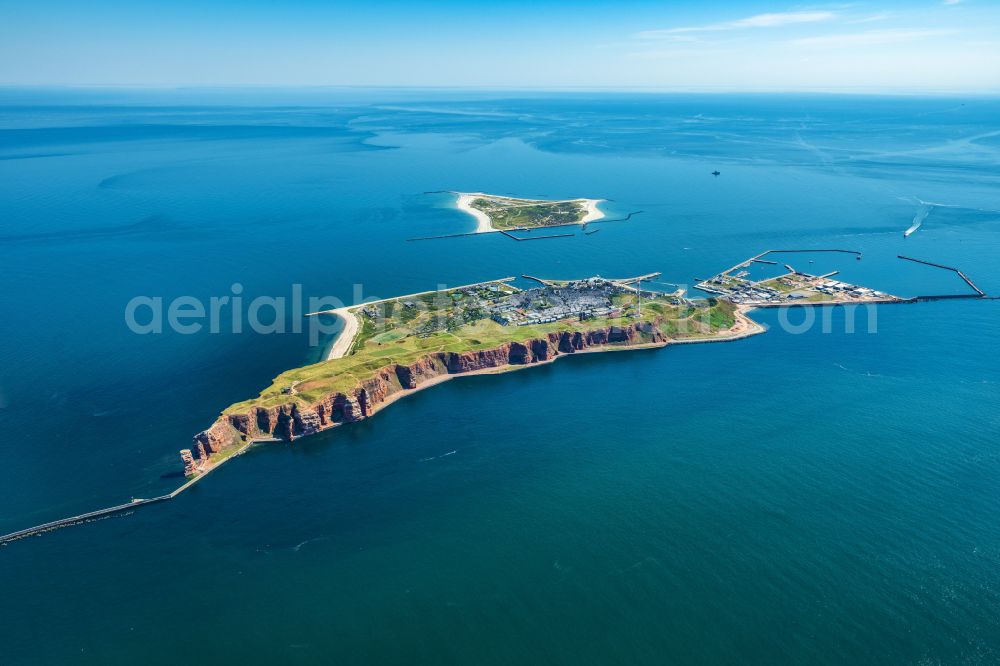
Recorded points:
(293, 420)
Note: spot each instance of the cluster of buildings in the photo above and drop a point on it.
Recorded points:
(749, 292)
(585, 299)
(478, 296)
(833, 287)
(753, 293)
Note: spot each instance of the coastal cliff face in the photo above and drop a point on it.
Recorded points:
(291, 421)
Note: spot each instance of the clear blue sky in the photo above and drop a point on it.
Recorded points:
(926, 45)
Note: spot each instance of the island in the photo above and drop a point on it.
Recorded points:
(499, 213)
(394, 347)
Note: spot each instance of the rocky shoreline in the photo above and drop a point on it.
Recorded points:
(292, 420)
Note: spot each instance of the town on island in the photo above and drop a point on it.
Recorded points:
(393, 347)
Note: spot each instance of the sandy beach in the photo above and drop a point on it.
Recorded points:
(593, 212)
(483, 224)
(342, 344)
(482, 219)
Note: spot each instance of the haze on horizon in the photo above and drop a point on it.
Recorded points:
(902, 46)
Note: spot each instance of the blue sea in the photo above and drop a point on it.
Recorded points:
(810, 495)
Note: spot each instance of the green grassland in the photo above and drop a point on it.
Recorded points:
(514, 214)
(404, 337)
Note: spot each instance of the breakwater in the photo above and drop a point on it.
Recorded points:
(82, 518)
(960, 274)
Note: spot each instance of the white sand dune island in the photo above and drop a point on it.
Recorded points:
(499, 213)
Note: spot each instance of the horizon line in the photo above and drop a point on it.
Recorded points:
(852, 90)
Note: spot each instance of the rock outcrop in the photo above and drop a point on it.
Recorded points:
(293, 420)
(188, 460)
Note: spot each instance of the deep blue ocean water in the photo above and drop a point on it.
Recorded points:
(823, 497)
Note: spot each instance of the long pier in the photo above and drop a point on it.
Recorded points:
(617, 219)
(810, 250)
(759, 259)
(583, 226)
(122, 508)
(469, 233)
(84, 517)
(947, 268)
(484, 283)
(637, 278)
(533, 237)
(943, 297)
(622, 281)
(504, 232)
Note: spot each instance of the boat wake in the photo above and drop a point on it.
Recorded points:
(919, 218)
(443, 455)
(308, 541)
(867, 373)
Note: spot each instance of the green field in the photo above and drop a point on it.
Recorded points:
(391, 340)
(507, 213)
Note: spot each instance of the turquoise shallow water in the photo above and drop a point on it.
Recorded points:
(821, 497)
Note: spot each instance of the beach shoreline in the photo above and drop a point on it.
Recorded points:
(342, 345)
(484, 224)
(593, 212)
(464, 203)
